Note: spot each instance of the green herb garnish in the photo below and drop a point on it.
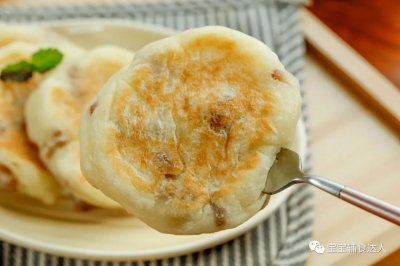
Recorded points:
(20, 71)
(45, 59)
(41, 61)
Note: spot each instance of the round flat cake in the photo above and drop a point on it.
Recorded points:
(53, 112)
(21, 170)
(185, 135)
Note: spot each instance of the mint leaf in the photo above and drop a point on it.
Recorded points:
(20, 71)
(42, 61)
(46, 59)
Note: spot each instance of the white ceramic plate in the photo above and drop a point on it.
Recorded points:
(105, 234)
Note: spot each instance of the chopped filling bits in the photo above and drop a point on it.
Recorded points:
(277, 75)
(219, 214)
(168, 164)
(218, 123)
(58, 141)
(92, 108)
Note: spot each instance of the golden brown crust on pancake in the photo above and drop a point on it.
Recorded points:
(185, 136)
(211, 122)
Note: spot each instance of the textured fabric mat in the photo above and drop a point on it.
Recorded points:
(283, 238)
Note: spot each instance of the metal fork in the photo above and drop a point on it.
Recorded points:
(286, 171)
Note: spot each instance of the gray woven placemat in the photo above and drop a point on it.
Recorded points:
(283, 238)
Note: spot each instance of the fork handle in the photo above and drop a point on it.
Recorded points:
(373, 205)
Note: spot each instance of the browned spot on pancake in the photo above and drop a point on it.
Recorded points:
(58, 141)
(219, 214)
(218, 123)
(277, 75)
(92, 108)
(168, 163)
(169, 176)
(54, 147)
(7, 179)
(57, 134)
(83, 206)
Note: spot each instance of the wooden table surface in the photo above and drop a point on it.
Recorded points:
(371, 27)
(352, 146)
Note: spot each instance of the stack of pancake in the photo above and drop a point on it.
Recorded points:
(39, 117)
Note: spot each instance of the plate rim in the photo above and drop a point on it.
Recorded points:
(197, 245)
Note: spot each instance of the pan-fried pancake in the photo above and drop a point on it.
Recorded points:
(185, 135)
(53, 112)
(20, 167)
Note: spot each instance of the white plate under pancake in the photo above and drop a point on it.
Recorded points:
(62, 231)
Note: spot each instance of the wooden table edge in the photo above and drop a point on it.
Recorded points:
(381, 94)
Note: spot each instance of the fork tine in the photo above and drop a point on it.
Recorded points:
(284, 172)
